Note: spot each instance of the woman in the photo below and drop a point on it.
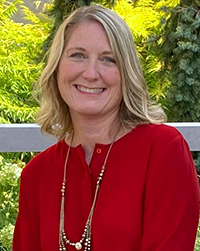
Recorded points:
(118, 179)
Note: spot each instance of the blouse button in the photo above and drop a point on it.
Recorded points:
(98, 150)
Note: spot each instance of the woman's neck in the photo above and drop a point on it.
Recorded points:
(88, 132)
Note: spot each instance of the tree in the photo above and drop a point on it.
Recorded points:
(181, 57)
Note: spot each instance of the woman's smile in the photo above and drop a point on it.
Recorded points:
(89, 90)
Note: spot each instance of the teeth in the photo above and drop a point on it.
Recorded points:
(89, 90)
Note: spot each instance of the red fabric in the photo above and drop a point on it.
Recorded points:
(148, 200)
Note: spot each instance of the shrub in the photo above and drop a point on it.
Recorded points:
(9, 189)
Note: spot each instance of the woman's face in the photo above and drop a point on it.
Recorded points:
(89, 80)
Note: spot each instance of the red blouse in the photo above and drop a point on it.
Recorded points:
(148, 200)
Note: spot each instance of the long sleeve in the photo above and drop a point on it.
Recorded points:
(171, 205)
(24, 236)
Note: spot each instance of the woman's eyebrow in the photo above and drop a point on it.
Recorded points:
(76, 48)
(107, 53)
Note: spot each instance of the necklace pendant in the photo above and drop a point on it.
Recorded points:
(78, 246)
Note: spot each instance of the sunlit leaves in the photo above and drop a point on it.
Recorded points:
(8, 8)
(140, 17)
(20, 46)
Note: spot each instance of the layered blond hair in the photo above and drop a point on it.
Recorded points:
(136, 106)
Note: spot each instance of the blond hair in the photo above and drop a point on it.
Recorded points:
(136, 106)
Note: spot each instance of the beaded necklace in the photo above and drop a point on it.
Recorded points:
(86, 236)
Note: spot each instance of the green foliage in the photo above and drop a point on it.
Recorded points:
(8, 8)
(181, 54)
(9, 188)
(197, 244)
(6, 236)
(145, 19)
(20, 46)
(196, 156)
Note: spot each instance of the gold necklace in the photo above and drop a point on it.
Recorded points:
(86, 236)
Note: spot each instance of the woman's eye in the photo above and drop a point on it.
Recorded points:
(77, 55)
(108, 60)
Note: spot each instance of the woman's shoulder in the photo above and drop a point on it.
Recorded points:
(162, 131)
(156, 135)
(46, 158)
(161, 138)
(150, 134)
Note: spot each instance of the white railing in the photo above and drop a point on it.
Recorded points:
(28, 138)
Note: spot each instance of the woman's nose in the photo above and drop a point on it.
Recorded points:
(91, 70)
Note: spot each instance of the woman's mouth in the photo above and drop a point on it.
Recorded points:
(89, 90)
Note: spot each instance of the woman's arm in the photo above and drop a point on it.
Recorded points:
(24, 238)
(171, 207)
